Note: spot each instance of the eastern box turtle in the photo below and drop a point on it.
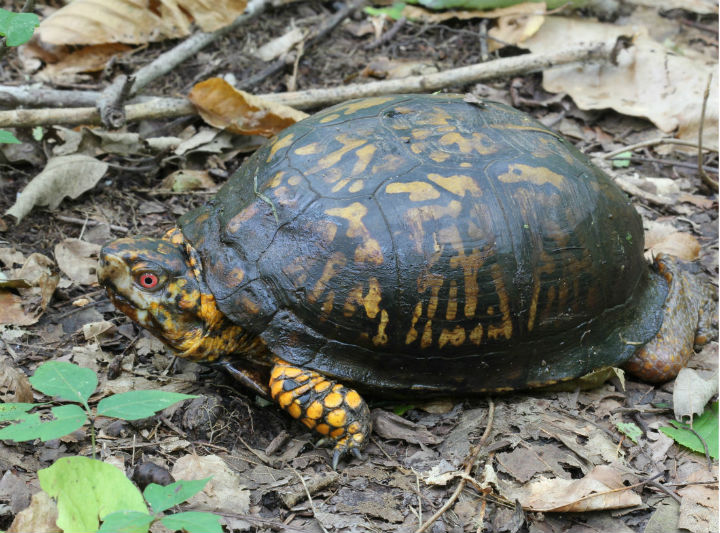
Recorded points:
(410, 245)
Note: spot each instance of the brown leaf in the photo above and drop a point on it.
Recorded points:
(69, 175)
(88, 59)
(391, 426)
(601, 489)
(664, 238)
(14, 384)
(699, 505)
(513, 29)
(40, 516)
(188, 180)
(697, 200)
(35, 282)
(135, 21)
(78, 260)
(224, 107)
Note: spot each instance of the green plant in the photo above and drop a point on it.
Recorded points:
(15, 29)
(705, 426)
(88, 490)
(73, 383)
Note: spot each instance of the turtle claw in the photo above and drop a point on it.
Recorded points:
(342, 449)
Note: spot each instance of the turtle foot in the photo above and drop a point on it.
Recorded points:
(335, 411)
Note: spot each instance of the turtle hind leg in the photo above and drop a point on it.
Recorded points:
(332, 409)
(688, 313)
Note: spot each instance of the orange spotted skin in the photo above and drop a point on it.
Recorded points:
(323, 405)
(410, 245)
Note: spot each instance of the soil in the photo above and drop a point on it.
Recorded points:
(554, 434)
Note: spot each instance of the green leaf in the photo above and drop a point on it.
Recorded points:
(163, 498)
(17, 28)
(630, 430)
(394, 11)
(193, 522)
(402, 409)
(15, 411)
(622, 160)
(126, 522)
(65, 380)
(8, 138)
(137, 404)
(38, 132)
(68, 418)
(86, 489)
(706, 425)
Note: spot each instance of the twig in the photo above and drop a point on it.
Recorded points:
(669, 162)
(191, 46)
(312, 505)
(111, 103)
(651, 142)
(91, 223)
(176, 107)
(470, 462)
(281, 62)
(705, 446)
(707, 180)
(388, 35)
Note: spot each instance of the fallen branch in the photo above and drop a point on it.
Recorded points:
(176, 107)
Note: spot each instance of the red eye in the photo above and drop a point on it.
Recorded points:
(148, 280)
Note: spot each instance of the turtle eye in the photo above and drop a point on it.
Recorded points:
(148, 280)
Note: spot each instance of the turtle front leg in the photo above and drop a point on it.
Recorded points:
(330, 408)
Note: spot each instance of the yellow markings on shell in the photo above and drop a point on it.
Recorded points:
(437, 117)
(477, 142)
(455, 337)
(412, 332)
(519, 173)
(371, 301)
(421, 134)
(276, 179)
(276, 388)
(476, 334)
(294, 410)
(388, 163)
(308, 149)
(381, 338)
(465, 164)
(332, 400)
(419, 190)
(331, 175)
(356, 186)
(435, 283)
(336, 417)
(327, 305)
(452, 301)
(291, 372)
(348, 142)
(236, 222)
(490, 310)
(505, 328)
(364, 156)
(471, 265)
(533, 302)
(352, 107)
(249, 305)
(353, 399)
(285, 399)
(439, 156)
(329, 118)
(426, 339)
(285, 197)
(294, 180)
(353, 300)
(340, 185)
(335, 262)
(458, 184)
(415, 218)
(314, 410)
(280, 142)
(369, 251)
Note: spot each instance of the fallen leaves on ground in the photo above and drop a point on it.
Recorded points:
(14, 384)
(184, 180)
(699, 506)
(224, 107)
(41, 515)
(601, 489)
(78, 260)
(135, 21)
(25, 292)
(65, 176)
(691, 393)
(661, 237)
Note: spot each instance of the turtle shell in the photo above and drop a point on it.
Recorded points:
(421, 242)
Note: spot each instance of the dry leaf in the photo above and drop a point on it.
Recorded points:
(664, 238)
(386, 68)
(135, 21)
(10, 257)
(14, 384)
(224, 107)
(63, 176)
(691, 393)
(279, 46)
(700, 201)
(647, 81)
(188, 180)
(223, 493)
(699, 505)
(35, 282)
(39, 517)
(703, 7)
(391, 426)
(513, 29)
(601, 489)
(88, 59)
(78, 260)
(97, 329)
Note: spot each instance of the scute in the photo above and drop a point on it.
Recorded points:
(412, 241)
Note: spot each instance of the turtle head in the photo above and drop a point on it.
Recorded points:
(159, 284)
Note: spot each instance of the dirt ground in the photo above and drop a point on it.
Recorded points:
(398, 484)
